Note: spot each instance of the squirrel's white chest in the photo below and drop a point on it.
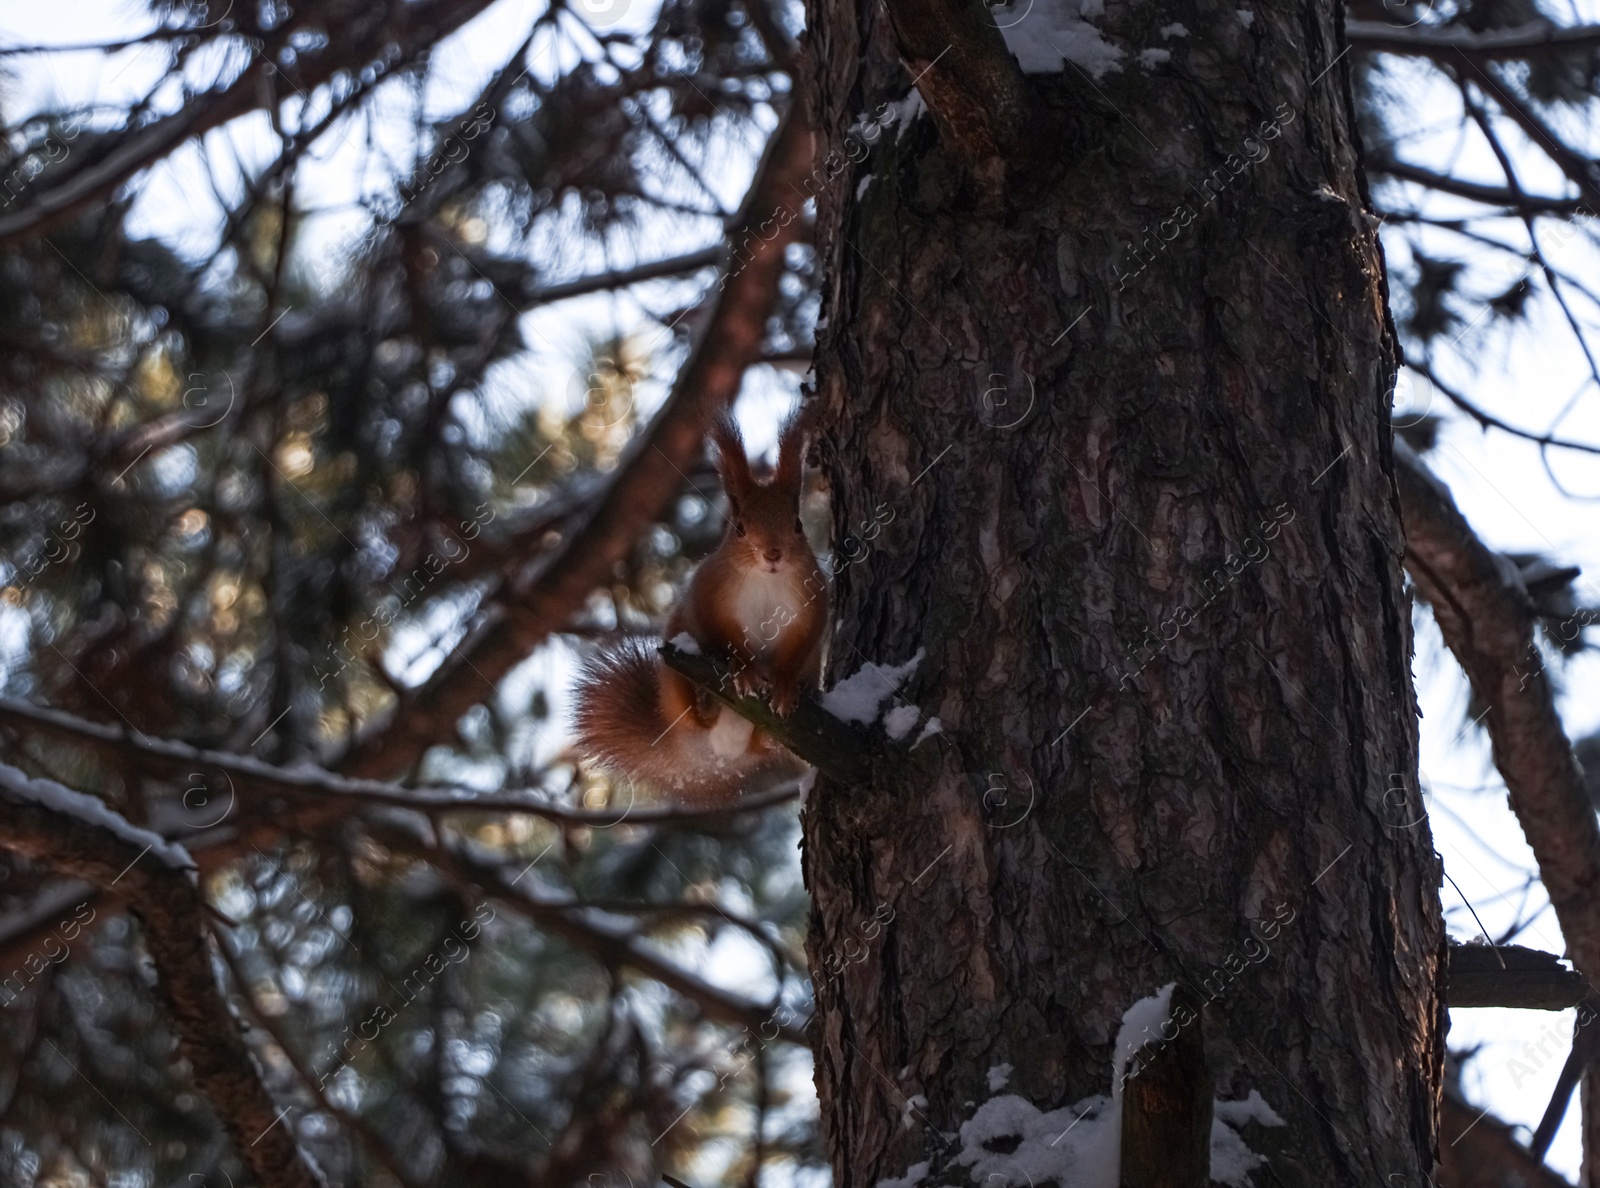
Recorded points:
(765, 604)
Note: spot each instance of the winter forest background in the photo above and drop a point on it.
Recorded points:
(329, 335)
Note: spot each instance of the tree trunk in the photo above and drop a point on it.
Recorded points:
(1108, 438)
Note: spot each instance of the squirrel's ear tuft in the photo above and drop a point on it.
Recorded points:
(791, 452)
(732, 462)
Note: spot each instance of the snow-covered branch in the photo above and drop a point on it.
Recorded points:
(79, 836)
(333, 796)
(811, 732)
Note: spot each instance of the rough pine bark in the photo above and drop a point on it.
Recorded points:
(1106, 425)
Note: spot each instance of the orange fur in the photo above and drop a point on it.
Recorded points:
(759, 603)
(623, 729)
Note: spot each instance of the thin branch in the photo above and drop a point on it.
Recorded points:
(317, 785)
(102, 47)
(1535, 39)
(1489, 420)
(412, 27)
(1536, 204)
(584, 930)
(1578, 168)
(1585, 1047)
(602, 282)
(350, 1118)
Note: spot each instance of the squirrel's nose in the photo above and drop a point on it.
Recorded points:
(774, 555)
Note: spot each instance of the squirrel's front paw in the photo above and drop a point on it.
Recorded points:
(785, 697)
(747, 683)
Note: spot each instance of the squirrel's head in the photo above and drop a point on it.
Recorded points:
(764, 529)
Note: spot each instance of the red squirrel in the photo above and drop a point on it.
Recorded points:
(759, 603)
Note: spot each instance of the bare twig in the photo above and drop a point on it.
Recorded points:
(411, 27)
(585, 931)
(1534, 204)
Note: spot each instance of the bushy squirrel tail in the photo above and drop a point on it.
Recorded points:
(622, 729)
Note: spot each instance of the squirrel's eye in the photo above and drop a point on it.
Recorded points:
(797, 526)
(738, 527)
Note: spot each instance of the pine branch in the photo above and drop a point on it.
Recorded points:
(603, 282)
(412, 28)
(583, 929)
(1533, 40)
(55, 827)
(1527, 204)
(811, 732)
(1487, 620)
(259, 782)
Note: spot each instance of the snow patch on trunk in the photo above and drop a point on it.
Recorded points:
(1081, 1145)
(899, 721)
(1047, 34)
(905, 112)
(858, 697)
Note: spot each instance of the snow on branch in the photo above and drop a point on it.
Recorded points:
(90, 811)
(1159, 1127)
(315, 785)
(78, 835)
